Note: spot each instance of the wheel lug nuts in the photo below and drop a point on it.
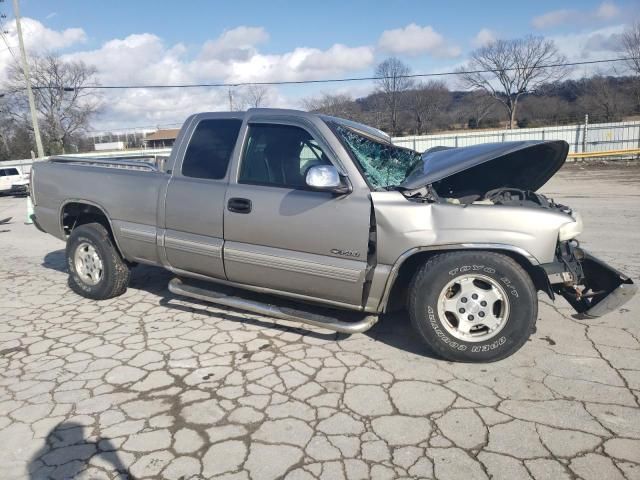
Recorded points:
(483, 303)
(463, 299)
(481, 314)
(461, 310)
(474, 296)
(470, 317)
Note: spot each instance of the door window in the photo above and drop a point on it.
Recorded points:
(11, 171)
(210, 148)
(279, 155)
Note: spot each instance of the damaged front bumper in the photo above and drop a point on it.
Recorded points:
(592, 287)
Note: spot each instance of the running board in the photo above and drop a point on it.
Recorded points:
(316, 316)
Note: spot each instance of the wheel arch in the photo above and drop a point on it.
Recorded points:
(407, 264)
(76, 212)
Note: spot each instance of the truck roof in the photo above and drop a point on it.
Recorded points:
(370, 131)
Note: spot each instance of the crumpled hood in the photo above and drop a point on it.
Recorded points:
(475, 170)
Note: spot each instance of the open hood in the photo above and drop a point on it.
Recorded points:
(475, 170)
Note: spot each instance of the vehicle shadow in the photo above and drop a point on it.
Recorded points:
(55, 261)
(67, 452)
(393, 329)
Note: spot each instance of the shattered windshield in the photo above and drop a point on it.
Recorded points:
(383, 164)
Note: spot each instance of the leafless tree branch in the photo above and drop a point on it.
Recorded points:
(516, 67)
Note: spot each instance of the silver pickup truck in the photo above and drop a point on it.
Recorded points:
(333, 225)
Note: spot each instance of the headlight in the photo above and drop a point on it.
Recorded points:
(572, 229)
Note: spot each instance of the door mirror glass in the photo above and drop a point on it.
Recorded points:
(326, 178)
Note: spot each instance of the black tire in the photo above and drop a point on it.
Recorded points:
(115, 272)
(435, 275)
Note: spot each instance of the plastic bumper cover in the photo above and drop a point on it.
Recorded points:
(592, 287)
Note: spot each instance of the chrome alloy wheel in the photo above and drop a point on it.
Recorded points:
(88, 264)
(473, 307)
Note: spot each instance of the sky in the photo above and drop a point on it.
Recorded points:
(143, 42)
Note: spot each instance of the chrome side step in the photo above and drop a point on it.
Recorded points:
(310, 315)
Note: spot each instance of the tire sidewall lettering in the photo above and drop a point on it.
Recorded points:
(487, 347)
(435, 325)
(471, 268)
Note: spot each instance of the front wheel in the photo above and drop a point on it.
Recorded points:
(96, 269)
(473, 306)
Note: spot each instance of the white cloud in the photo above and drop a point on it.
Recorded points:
(414, 40)
(237, 43)
(301, 64)
(233, 57)
(604, 12)
(483, 38)
(591, 45)
(607, 10)
(37, 38)
(552, 19)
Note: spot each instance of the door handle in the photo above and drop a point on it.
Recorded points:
(239, 205)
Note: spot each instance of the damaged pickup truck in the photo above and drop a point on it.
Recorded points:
(333, 225)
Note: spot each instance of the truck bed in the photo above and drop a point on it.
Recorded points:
(123, 188)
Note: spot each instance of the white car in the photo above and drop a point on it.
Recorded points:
(10, 176)
(21, 186)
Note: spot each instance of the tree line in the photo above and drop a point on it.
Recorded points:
(507, 83)
(514, 83)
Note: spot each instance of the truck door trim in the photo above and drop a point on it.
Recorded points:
(296, 265)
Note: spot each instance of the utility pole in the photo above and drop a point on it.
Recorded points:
(230, 100)
(586, 132)
(25, 68)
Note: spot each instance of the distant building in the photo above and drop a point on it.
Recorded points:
(161, 138)
(110, 146)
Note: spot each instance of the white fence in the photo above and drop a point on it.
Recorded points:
(581, 138)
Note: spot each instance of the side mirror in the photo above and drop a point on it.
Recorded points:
(326, 178)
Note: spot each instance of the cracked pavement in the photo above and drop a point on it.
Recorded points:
(149, 385)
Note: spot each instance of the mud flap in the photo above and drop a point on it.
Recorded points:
(604, 289)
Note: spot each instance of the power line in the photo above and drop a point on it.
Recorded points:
(337, 80)
(6, 42)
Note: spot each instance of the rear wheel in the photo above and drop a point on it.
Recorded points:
(473, 306)
(96, 269)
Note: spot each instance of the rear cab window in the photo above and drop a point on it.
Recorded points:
(210, 148)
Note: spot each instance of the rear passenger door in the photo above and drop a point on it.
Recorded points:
(194, 206)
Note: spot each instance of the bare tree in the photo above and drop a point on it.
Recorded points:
(65, 108)
(392, 82)
(337, 105)
(602, 99)
(477, 105)
(254, 96)
(428, 101)
(511, 68)
(630, 47)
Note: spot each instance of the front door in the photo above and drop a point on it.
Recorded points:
(194, 212)
(281, 235)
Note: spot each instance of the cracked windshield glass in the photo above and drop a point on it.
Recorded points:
(385, 165)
